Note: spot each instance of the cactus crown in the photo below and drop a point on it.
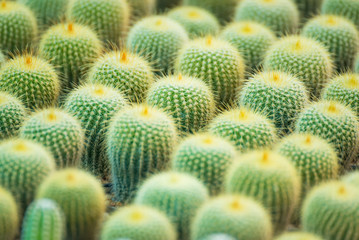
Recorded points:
(351, 81)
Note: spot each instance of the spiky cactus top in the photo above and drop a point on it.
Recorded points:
(339, 35)
(305, 58)
(331, 211)
(279, 96)
(345, 89)
(246, 129)
(59, 131)
(128, 72)
(9, 218)
(18, 27)
(334, 122)
(298, 236)
(251, 39)
(159, 39)
(281, 16)
(109, 18)
(81, 198)
(71, 48)
(189, 100)
(139, 142)
(235, 215)
(94, 106)
(217, 63)
(197, 21)
(12, 115)
(345, 8)
(33, 80)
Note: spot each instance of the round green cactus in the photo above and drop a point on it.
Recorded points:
(298, 236)
(59, 132)
(43, 220)
(269, 178)
(223, 10)
(33, 80)
(94, 106)
(129, 73)
(81, 198)
(206, 157)
(237, 216)
(279, 96)
(339, 35)
(18, 27)
(305, 58)
(70, 47)
(308, 8)
(281, 16)
(177, 194)
(351, 178)
(251, 39)
(139, 142)
(246, 129)
(331, 211)
(218, 236)
(197, 21)
(189, 100)
(345, 89)
(345, 8)
(158, 38)
(334, 122)
(47, 12)
(12, 115)
(138, 223)
(23, 166)
(217, 63)
(142, 8)
(9, 218)
(109, 18)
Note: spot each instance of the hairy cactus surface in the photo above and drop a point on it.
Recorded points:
(345, 8)
(9, 218)
(351, 178)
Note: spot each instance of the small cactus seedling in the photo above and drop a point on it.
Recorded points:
(269, 178)
(59, 132)
(298, 236)
(159, 39)
(81, 198)
(33, 80)
(235, 215)
(345, 8)
(331, 211)
(137, 223)
(9, 218)
(140, 141)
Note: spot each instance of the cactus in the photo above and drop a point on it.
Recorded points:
(251, 39)
(177, 194)
(142, 8)
(81, 198)
(246, 129)
(72, 48)
(269, 178)
(12, 115)
(281, 16)
(217, 63)
(59, 132)
(218, 236)
(305, 58)
(331, 211)
(345, 8)
(159, 39)
(298, 236)
(138, 223)
(43, 220)
(206, 157)
(339, 35)
(129, 73)
(94, 106)
(189, 100)
(9, 219)
(47, 12)
(23, 166)
(334, 122)
(279, 96)
(109, 18)
(18, 27)
(33, 80)
(139, 142)
(308, 8)
(237, 216)
(351, 178)
(197, 21)
(345, 89)
(356, 64)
